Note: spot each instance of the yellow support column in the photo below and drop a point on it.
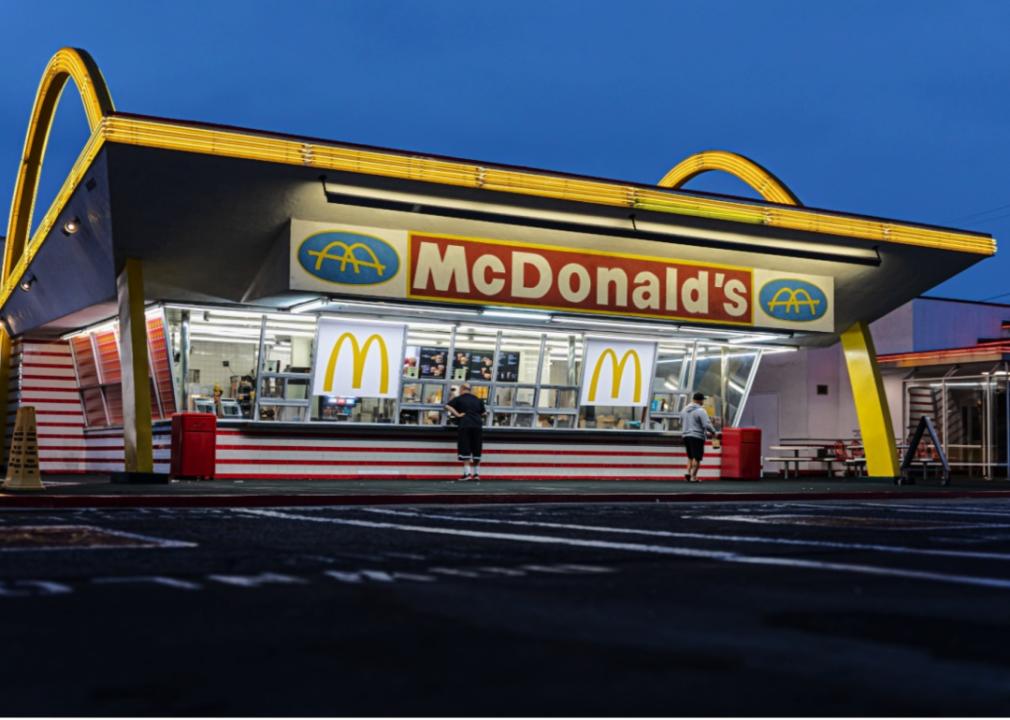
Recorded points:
(137, 442)
(871, 402)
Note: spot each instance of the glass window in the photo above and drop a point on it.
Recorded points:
(737, 371)
(602, 417)
(668, 394)
(518, 356)
(549, 420)
(562, 360)
(514, 396)
(512, 419)
(564, 398)
(223, 361)
(417, 393)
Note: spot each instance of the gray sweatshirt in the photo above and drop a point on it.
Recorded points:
(694, 421)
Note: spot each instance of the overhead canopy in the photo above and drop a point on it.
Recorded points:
(209, 211)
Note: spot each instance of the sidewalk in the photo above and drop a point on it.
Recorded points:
(96, 491)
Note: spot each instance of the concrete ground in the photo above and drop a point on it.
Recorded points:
(802, 607)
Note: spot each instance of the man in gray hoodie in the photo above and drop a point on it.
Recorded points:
(696, 426)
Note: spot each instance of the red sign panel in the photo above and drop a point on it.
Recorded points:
(553, 278)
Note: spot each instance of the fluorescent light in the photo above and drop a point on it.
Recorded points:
(222, 339)
(543, 317)
(735, 386)
(754, 339)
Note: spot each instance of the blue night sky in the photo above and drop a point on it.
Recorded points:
(898, 109)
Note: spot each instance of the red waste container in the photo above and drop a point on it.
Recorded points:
(194, 437)
(741, 454)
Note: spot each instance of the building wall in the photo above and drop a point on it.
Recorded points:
(942, 324)
(894, 333)
(42, 376)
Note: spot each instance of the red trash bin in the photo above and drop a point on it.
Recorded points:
(194, 440)
(741, 454)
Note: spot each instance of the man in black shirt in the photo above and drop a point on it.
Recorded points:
(469, 410)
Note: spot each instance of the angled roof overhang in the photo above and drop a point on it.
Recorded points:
(207, 209)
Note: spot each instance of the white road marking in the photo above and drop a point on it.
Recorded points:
(357, 577)
(908, 508)
(835, 545)
(865, 522)
(153, 579)
(721, 556)
(249, 581)
(28, 588)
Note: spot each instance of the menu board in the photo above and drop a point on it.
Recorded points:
(472, 364)
(478, 364)
(431, 362)
(508, 366)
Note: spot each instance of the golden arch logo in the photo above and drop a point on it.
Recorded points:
(348, 258)
(617, 374)
(793, 299)
(359, 354)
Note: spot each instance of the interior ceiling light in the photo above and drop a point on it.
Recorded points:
(516, 314)
(71, 226)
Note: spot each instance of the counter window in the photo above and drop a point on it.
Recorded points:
(258, 366)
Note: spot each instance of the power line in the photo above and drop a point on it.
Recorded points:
(981, 212)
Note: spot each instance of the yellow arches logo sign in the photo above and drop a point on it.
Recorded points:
(359, 355)
(357, 359)
(348, 258)
(793, 299)
(617, 375)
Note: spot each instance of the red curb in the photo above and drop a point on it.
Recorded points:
(196, 501)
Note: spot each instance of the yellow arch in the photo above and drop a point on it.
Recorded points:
(764, 183)
(67, 63)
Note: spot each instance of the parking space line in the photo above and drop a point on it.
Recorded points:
(693, 553)
(829, 544)
(906, 508)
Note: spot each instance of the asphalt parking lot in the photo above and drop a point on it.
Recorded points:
(772, 608)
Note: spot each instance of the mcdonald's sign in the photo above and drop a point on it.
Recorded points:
(618, 373)
(357, 359)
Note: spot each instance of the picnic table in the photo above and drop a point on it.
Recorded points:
(800, 454)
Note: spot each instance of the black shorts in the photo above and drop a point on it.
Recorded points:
(469, 443)
(695, 448)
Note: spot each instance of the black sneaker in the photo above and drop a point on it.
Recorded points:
(463, 479)
(475, 477)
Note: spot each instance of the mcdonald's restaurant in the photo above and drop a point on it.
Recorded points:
(324, 301)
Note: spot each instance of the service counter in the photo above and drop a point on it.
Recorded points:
(339, 451)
